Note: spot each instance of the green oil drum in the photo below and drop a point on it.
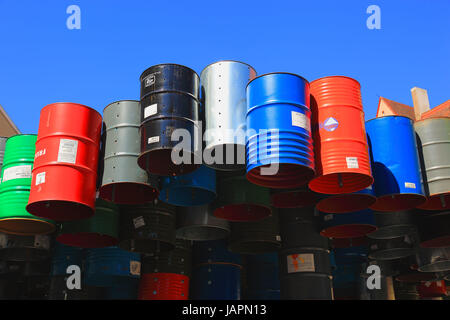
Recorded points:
(99, 231)
(15, 189)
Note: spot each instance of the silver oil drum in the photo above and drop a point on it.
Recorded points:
(433, 139)
(2, 150)
(198, 224)
(123, 181)
(223, 85)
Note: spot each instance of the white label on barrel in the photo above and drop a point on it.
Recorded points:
(17, 172)
(40, 178)
(41, 242)
(135, 268)
(150, 110)
(303, 262)
(138, 222)
(67, 150)
(328, 217)
(153, 139)
(300, 120)
(149, 80)
(278, 238)
(352, 162)
(410, 185)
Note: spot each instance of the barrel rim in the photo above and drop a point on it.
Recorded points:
(118, 101)
(337, 76)
(389, 116)
(428, 119)
(226, 60)
(269, 73)
(168, 64)
(20, 135)
(73, 103)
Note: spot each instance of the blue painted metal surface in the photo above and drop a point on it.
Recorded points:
(346, 275)
(395, 161)
(111, 265)
(216, 282)
(351, 255)
(262, 274)
(127, 291)
(348, 225)
(279, 103)
(214, 252)
(193, 189)
(64, 256)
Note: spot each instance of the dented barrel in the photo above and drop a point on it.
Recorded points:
(123, 181)
(279, 145)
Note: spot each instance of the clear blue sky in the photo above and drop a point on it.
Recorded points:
(41, 61)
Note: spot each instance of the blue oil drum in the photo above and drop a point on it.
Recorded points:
(215, 251)
(126, 291)
(347, 225)
(279, 131)
(216, 282)
(395, 163)
(111, 265)
(351, 255)
(262, 277)
(64, 256)
(345, 275)
(193, 189)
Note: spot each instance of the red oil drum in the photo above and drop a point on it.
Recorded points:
(64, 176)
(432, 289)
(340, 141)
(164, 286)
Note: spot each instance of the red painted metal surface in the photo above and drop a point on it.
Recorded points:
(432, 289)
(164, 286)
(64, 176)
(344, 203)
(340, 142)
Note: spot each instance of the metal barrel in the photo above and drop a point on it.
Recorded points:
(128, 291)
(240, 200)
(199, 224)
(193, 189)
(58, 290)
(105, 266)
(178, 261)
(348, 225)
(340, 142)
(300, 228)
(64, 176)
(15, 189)
(123, 181)
(347, 202)
(147, 228)
(432, 289)
(24, 248)
(2, 150)
(169, 101)
(391, 249)
(98, 231)
(433, 229)
(215, 251)
(262, 277)
(433, 140)
(346, 280)
(65, 256)
(255, 237)
(305, 274)
(406, 271)
(279, 146)
(393, 224)
(216, 282)
(351, 255)
(395, 165)
(294, 198)
(164, 286)
(406, 291)
(433, 259)
(223, 85)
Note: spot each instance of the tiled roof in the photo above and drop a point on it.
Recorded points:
(397, 108)
(442, 110)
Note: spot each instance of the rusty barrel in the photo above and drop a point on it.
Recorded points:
(340, 142)
(64, 177)
(395, 163)
(170, 111)
(123, 181)
(279, 146)
(223, 86)
(433, 139)
(15, 189)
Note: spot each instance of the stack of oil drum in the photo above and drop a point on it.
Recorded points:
(226, 185)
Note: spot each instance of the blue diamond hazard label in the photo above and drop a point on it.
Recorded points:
(330, 124)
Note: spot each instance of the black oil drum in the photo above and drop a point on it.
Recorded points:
(147, 228)
(391, 249)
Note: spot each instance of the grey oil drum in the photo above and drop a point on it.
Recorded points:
(223, 95)
(433, 140)
(123, 181)
(199, 224)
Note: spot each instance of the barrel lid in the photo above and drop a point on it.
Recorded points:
(73, 103)
(270, 73)
(167, 64)
(118, 101)
(236, 61)
(336, 76)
